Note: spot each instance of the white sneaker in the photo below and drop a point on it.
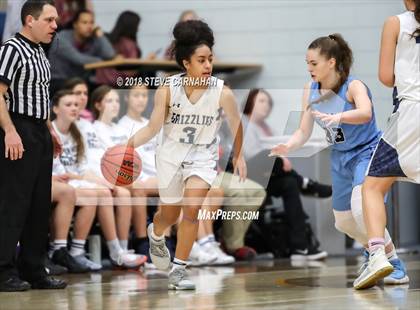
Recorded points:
(199, 257)
(222, 257)
(159, 253)
(84, 261)
(365, 263)
(149, 266)
(127, 259)
(178, 280)
(377, 268)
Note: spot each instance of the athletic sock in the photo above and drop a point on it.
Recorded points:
(376, 244)
(207, 239)
(124, 244)
(77, 247)
(58, 244)
(114, 248)
(178, 263)
(390, 251)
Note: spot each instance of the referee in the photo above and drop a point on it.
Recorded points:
(26, 151)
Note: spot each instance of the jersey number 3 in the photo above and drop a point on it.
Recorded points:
(335, 135)
(190, 131)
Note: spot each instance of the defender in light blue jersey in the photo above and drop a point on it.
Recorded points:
(342, 106)
(352, 144)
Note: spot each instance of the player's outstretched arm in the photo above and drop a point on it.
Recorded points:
(230, 107)
(156, 121)
(303, 133)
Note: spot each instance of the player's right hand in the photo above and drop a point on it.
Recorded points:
(279, 150)
(13, 145)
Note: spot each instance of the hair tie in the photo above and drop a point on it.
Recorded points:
(332, 37)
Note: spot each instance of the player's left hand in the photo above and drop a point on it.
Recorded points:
(57, 146)
(328, 119)
(239, 165)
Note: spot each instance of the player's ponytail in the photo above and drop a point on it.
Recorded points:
(334, 46)
(74, 131)
(416, 33)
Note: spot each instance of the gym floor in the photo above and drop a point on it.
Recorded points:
(247, 285)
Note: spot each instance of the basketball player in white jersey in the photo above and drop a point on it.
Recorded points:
(189, 110)
(397, 155)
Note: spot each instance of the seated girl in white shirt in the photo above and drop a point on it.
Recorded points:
(90, 193)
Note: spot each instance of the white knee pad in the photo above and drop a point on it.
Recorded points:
(357, 208)
(345, 223)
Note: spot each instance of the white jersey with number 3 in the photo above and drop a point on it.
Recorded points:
(193, 123)
(189, 141)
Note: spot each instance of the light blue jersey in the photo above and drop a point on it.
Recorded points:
(343, 137)
(352, 145)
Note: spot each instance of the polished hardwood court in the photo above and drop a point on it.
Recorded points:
(264, 284)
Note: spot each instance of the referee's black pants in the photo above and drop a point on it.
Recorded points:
(25, 202)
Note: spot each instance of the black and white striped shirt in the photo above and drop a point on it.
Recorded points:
(25, 68)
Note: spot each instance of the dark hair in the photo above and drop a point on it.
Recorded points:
(334, 46)
(97, 96)
(417, 17)
(34, 8)
(74, 131)
(80, 12)
(73, 82)
(250, 100)
(127, 26)
(188, 36)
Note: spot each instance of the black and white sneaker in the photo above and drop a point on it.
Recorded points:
(63, 258)
(311, 254)
(53, 269)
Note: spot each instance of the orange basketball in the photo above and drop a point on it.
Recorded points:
(121, 165)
